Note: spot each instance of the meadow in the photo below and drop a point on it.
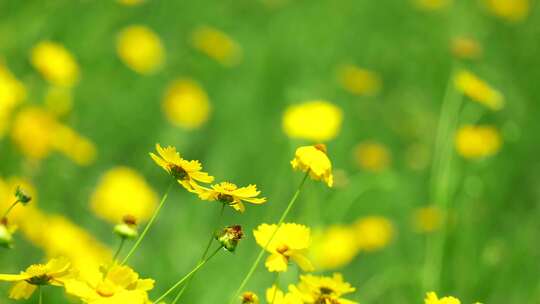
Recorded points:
(399, 133)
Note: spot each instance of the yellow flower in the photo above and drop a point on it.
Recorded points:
(249, 297)
(510, 10)
(316, 120)
(140, 49)
(372, 156)
(33, 131)
(55, 63)
(325, 290)
(314, 160)
(427, 219)
(76, 147)
(12, 92)
(188, 173)
(123, 191)
(289, 243)
(373, 232)
(358, 81)
(131, 2)
(432, 5)
(186, 104)
(275, 296)
(217, 45)
(475, 142)
(120, 285)
(334, 247)
(59, 101)
(431, 298)
(230, 194)
(55, 272)
(478, 90)
(466, 48)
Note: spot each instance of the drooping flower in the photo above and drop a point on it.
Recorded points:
(140, 49)
(276, 296)
(431, 298)
(474, 142)
(316, 120)
(325, 290)
(119, 285)
(188, 173)
(478, 90)
(249, 297)
(55, 63)
(466, 48)
(55, 273)
(217, 45)
(373, 232)
(358, 81)
(230, 194)
(290, 242)
(186, 104)
(334, 247)
(510, 10)
(315, 160)
(372, 156)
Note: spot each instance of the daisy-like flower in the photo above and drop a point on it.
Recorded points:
(325, 290)
(188, 173)
(289, 243)
(55, 272)
(276, 296)
(120, 285)
(230, 194)
(315, 160)
(431, 298)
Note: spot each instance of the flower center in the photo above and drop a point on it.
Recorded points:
(283, 250)
(43, 279)
(178, 172)
(225, 198)
(326, 290)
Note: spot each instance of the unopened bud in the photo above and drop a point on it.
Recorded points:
(6, 235)
(249, 297)
(128, 228)
(230, 236)
(21, 196)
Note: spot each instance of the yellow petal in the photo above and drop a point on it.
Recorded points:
(303, 262)
(21, 290)
(276, 263)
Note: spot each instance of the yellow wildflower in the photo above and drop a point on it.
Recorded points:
(119, 285)
(230, 194)
(427, 219)
(479, 91)
(55, 272)
(188, 173)
(432, 5)
(12, 92)
(373, 232)
(315, 160)
(466, 48)
(358, 81)
(59, 100)
(275, 296)
(76, 147)
(249, 297)
(140, 49)
(123, 191)
(186, 104)
(33, 131)
(316, 120)
(372, 156)
(217, 45)
(289, 243)
(475, 142)
(510, 10)
(334, 247)
(431, 298)
(327, 290)
(55, 63)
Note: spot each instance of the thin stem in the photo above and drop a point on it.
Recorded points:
(40, 295)
(276, 284)
(261, 252)
(9, 209)
(119, 249)
(205, 252)
(187, 276)
(145, 231)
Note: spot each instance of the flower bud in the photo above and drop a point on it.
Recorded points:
(128, 228)
(21, 196)
(230, 236)
(6, 235)
(249, 297)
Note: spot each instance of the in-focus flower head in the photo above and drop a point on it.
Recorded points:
(289, 243)
(431, 298)
(186, 104)
(474, 142)
(359, 81)
(229, 237)
(315, 160)
(478, 90)
(188, 173)
(315, 120)
(229, 194)
(217, 45)
(325, 290)
(22, 197)
(55, 272)
(140, 49)
(55, 63)
(128, 228)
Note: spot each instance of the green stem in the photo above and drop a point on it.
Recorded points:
(145, 231)
(261, 252)
(119, 249)
(40, 295)
(205, 252)
(276, 285)
(9, 209)
(187, 276)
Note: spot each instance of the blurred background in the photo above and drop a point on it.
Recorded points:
(426, 106)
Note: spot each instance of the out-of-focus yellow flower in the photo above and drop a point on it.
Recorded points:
(478, 90)
(372, 156)
(276, 296)
(186, 104)
(432, 5)
(119, 285)
(475, 142)
(230, 194)
(315, 160)
(33, 132)
(319, 289)
(431, 298)
(76, 147)
(466, 48)
(427, 219)
(12, 92)
(316, 120)
(55, 273)
(334, 247)
(217, 45)
(290, 242)
(123, 191)
(188, 173)
(510, 10)
(55, 63)
(140, 49)
(373, 232)
(131, 2)
(59, 101)
(358, 81)
(249, 297)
